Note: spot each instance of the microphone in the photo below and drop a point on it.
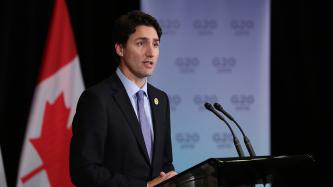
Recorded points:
(246, 139)
(236, 141)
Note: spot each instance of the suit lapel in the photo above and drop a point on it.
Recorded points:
(124, 103)
(156, 118)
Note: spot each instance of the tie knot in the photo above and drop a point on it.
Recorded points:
(140, 94)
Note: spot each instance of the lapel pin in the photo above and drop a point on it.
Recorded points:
(156, 101)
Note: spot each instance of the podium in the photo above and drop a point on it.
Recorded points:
(287, 170)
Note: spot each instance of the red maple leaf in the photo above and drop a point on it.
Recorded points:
(53, 144)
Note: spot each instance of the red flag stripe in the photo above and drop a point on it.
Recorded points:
(60, 46)
(31, 174)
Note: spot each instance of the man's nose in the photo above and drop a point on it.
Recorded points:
(150, 51)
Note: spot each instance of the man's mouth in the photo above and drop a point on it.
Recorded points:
(148, 62)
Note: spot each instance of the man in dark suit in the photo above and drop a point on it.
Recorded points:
(121, 129)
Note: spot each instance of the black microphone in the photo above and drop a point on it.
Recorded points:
(246, 139)
(236, 141)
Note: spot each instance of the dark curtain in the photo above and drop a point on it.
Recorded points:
(299, 83)
(299, 58)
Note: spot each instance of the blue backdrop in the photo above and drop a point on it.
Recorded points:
(214, 51)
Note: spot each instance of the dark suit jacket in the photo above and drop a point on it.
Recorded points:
(107, 147)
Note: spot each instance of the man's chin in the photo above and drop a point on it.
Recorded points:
(148, 74)
(145, 75)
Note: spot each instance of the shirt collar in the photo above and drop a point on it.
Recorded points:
(130, 86)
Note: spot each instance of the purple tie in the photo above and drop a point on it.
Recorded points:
(145, 127)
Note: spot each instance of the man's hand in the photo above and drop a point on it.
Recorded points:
(163, 176)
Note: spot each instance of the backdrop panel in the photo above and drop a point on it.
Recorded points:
(214, 51)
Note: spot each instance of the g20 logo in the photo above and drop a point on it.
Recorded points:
(200, 100)
(170, 26)
(205, 26)
(242, 101)
(242, 26)
(222, 140)
(224, 64)
(187, 64)
(187, 140)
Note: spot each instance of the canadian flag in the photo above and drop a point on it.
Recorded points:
(45, 154)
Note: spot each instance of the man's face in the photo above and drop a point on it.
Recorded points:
(139, 57)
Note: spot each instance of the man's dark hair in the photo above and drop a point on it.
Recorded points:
(125, 25)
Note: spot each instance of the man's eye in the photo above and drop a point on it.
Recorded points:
(156, 44)
(139, 44)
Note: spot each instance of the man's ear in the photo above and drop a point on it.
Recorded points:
(119, 49)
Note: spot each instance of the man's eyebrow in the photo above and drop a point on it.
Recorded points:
(145, 38)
